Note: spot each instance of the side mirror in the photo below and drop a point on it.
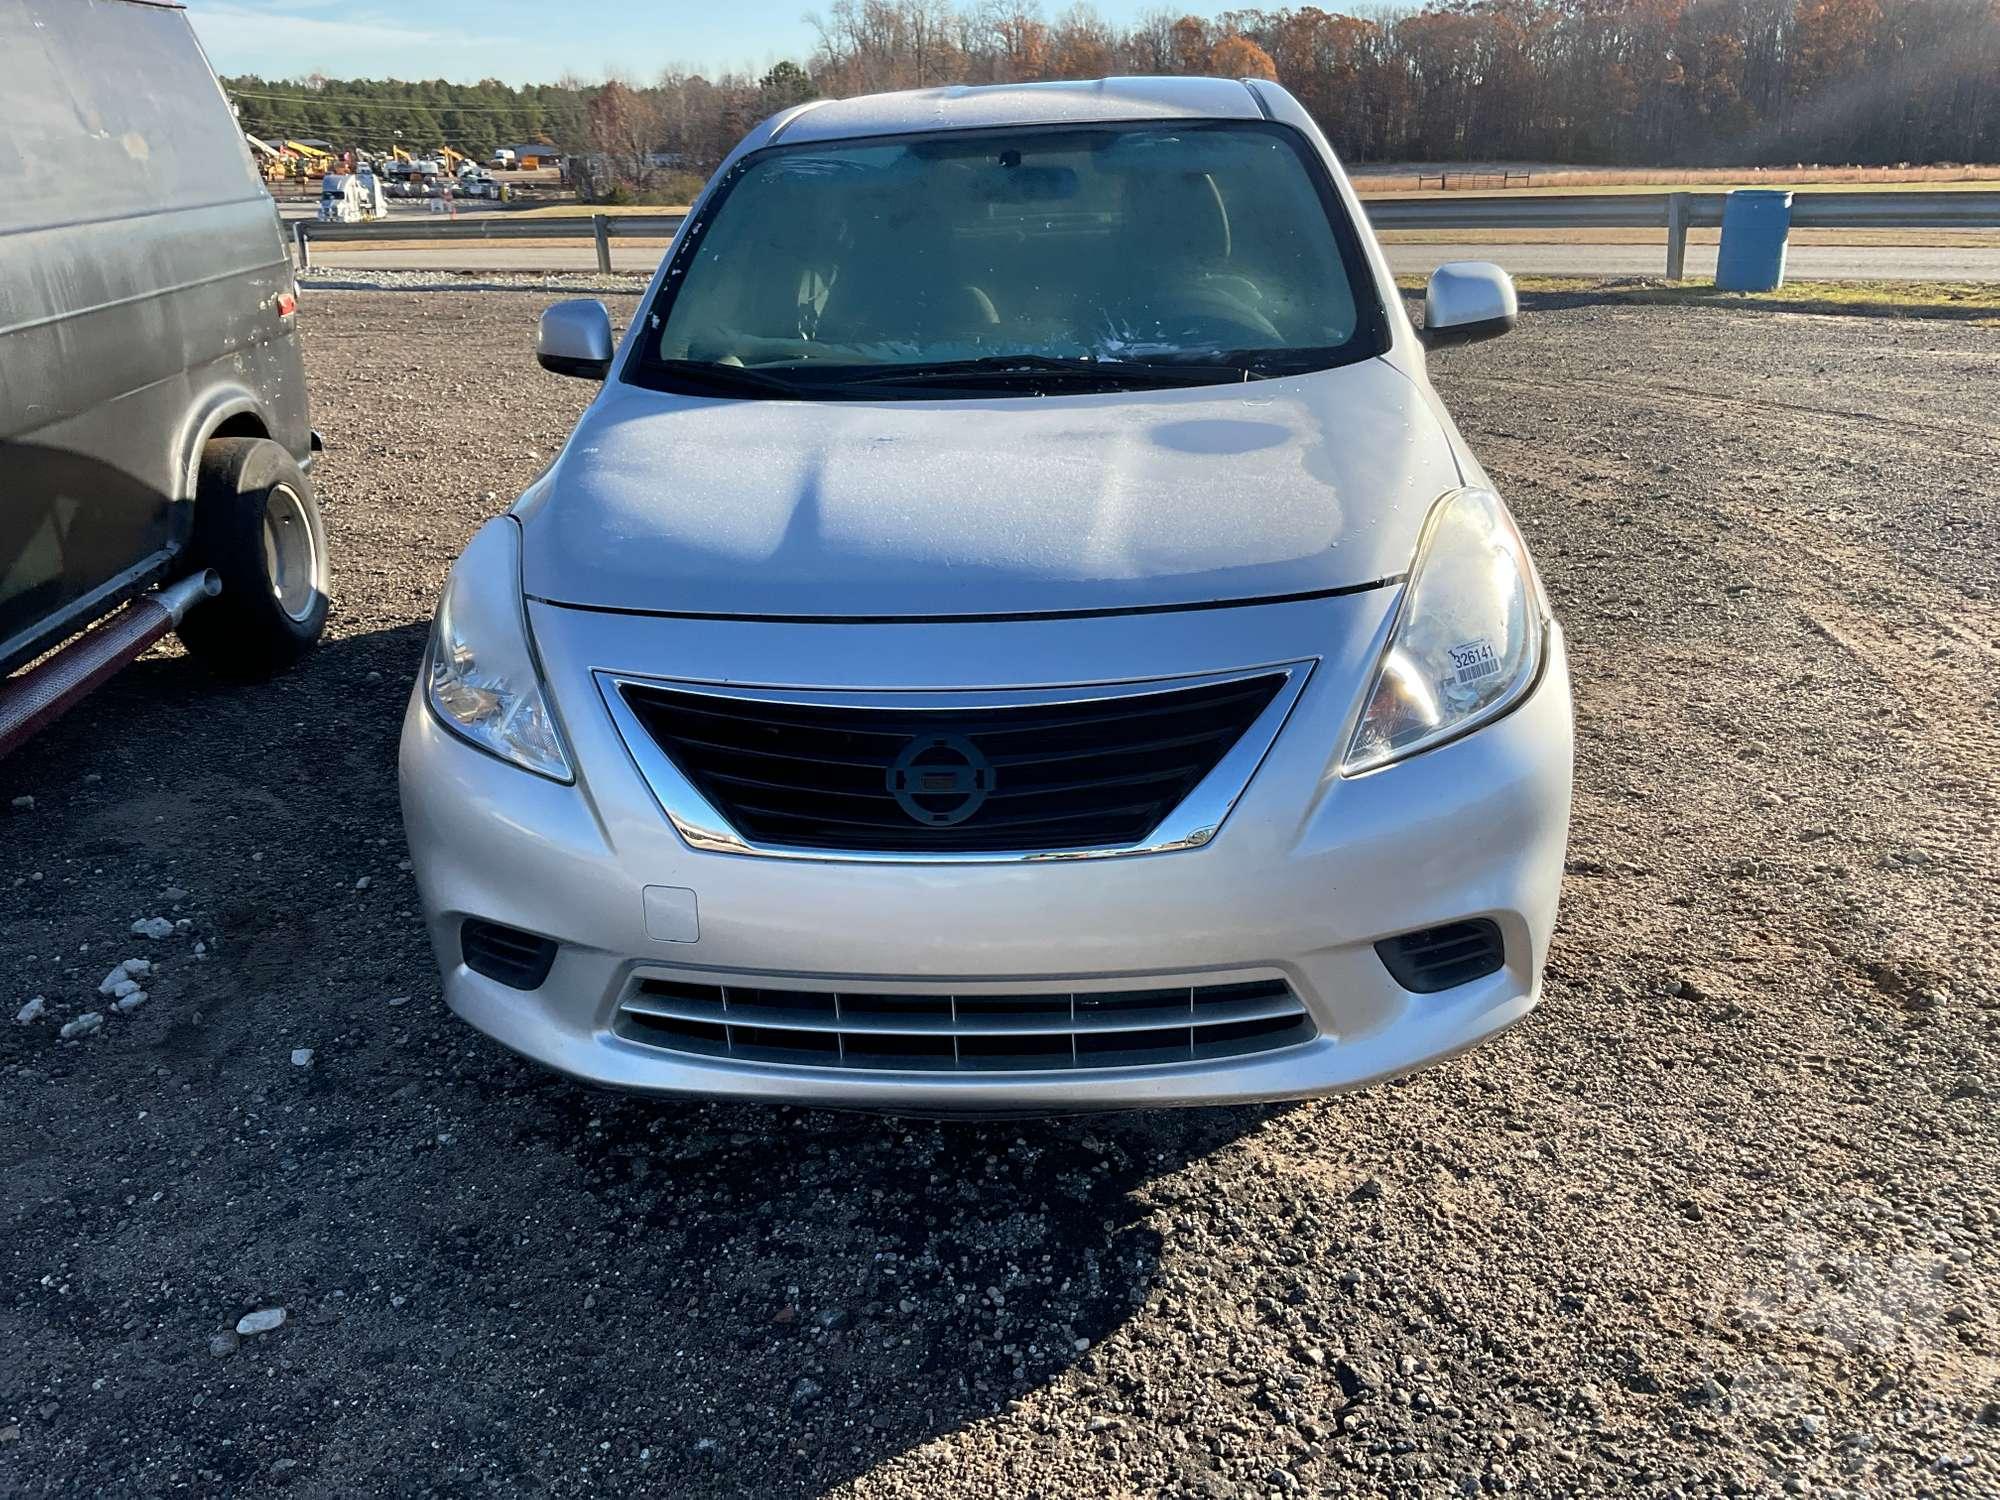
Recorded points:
(574, 338)
(1466, 301)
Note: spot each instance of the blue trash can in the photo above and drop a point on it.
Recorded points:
(1755, 225)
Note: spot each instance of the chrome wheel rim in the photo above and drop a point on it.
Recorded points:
(291, 553)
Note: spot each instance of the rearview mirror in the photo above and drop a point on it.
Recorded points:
(1466, 301)
(574, 338)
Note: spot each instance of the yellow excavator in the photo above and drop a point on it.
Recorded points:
(273, 165)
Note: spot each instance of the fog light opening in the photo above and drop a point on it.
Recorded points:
(1433, 959)
(520, 960)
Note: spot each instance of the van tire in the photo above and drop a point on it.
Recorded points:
(253, 506)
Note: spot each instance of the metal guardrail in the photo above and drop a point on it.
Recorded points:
(1973, 209)
(1676, 213)
(603, 228)
(1543, 211)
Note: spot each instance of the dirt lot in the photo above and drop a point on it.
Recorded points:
(1719, 1219)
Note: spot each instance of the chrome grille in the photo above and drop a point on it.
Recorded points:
(976, 1032)
(975, 775)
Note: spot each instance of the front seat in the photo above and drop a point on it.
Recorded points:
(1178, 223)
(903, 284)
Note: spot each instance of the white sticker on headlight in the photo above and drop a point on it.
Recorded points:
(1466, 638)
(1475, 660)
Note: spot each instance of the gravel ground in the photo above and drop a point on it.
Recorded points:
(568, 283)
(1718, 1219)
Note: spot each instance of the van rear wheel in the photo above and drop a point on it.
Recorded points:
(256, 524)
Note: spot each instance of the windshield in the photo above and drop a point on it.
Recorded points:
(1032, 259)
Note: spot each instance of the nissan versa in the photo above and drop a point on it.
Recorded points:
(1016, 631)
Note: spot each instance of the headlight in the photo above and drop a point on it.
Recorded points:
(480, 676)
(1467, 642)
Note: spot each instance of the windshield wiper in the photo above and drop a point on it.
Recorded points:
(701, 377)
(1049, 369)
(993, 372)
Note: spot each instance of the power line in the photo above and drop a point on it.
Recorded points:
(260, 123)
(340, 101)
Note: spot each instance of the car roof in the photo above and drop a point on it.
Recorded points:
(965, 107)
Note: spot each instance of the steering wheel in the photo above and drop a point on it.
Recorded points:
(1210, 315)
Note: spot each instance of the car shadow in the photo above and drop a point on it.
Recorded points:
(803, 1295)
(514, 1276)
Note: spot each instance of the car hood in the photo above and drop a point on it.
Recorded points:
(871, 510)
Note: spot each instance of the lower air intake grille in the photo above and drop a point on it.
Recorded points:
(1096, 771)
(983, 1033)
(517, 959)
(1441, 958)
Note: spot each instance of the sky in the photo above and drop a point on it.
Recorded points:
(518, 41)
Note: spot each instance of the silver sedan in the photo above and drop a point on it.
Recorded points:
(1015, 631)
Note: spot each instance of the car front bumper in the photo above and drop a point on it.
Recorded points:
(1307, 873)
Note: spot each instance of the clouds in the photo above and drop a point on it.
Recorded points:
(285, 37)
(521, 41)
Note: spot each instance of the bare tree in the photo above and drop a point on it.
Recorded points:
(1580, 80)
(625, 126)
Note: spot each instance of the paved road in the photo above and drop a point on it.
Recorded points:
(1809, 262)
(1814, 262)
(401, 210)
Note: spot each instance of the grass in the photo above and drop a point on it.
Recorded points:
(1967, 301)
(1987, 180)
(1402, 183)
(613, 210)
(1868, 177)
(1937, 239)
(1539, 190)
(1367, 188)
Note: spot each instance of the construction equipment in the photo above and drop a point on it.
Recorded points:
(474, 181)
(352, 198)
(339, 199)
(273, 165)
